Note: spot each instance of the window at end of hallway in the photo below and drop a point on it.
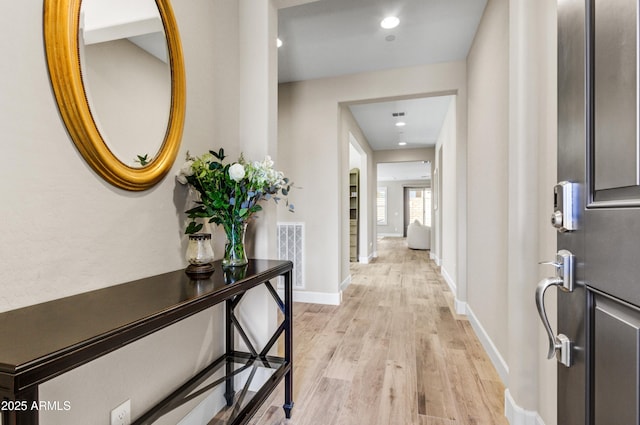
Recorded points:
(381, 202)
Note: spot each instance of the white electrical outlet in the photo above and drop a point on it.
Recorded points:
(121, 415)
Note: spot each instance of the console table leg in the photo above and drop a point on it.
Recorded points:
(287, 410)
(229, 393)
(229, 396)
(288, 344)
(25, 413)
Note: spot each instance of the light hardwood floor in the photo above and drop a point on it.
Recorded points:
(393, 353)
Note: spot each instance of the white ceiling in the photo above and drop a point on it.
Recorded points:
(138, 21)
(399, 171)
(423, 118)
(328, 38)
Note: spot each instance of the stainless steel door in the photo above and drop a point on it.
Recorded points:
(598, 149)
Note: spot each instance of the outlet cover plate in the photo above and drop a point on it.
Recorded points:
(121, 415)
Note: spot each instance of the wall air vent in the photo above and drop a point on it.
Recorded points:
(398, 114)
(291, 247)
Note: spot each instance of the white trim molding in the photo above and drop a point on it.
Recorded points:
(434, 258)
(365, 260)
(516, 415)
(492, 351)
(390, 235)
(345, 283)
(460, 306)
(312, 297)
(447, 278)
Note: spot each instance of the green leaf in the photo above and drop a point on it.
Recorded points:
(199, 208)
(143, 159)
(193, 227)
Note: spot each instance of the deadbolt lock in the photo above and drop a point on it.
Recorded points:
(564, 206)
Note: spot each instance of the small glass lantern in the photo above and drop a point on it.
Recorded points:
(199, 255)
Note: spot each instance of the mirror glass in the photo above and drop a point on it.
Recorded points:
(126, 75)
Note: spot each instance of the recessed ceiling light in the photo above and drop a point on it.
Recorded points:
(402, 143)
(279, 42)
(401, 124)
(390, 22)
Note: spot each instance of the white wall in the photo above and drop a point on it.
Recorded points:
(88, 234)
(511, 171)
(395, 205)
(308, 128)
(109, 235)
(447, 229)
(395, 209)
(488, 102)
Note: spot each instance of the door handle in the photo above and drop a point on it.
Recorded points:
(559, 345)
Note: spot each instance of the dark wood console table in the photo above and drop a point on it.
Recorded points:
(42, 341)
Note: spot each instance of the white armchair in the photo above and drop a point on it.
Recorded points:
(418, 236)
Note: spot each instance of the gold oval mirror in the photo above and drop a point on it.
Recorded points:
(61, 33)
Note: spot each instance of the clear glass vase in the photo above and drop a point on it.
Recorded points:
(234, 252)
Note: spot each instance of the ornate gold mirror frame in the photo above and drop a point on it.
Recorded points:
(61, 23)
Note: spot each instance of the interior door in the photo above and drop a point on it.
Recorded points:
(598, 150)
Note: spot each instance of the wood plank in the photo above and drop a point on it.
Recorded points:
(430, 420)
(361, 406)
(435, 397)
(329, 397)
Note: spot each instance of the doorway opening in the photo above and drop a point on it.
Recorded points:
(358, 202)
(417, 206)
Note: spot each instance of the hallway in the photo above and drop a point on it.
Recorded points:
(393, 353)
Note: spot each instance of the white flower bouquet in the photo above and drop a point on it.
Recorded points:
(230, 194)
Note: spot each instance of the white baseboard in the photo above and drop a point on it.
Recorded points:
(345, 283)
(201, 414)
(365, 260)
(311, 297)
(460, 306)
(516, 415)
(492, 351)
(391, 235)
(447, 278)
(434, 258)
